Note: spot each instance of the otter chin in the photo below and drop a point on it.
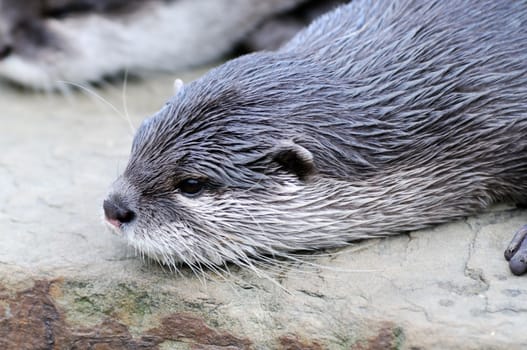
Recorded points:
(379, 118)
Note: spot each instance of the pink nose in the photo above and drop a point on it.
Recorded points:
(114, 222)
(117, 213)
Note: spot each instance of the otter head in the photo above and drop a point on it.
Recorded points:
(217, 175)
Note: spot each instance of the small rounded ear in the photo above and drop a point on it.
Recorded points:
(294, 158)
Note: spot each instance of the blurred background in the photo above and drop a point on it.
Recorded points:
(56, 44)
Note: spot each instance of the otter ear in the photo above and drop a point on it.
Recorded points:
(294, 158)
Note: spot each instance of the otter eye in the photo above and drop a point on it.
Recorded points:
(191, 187)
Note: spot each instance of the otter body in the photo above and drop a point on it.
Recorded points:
(380, 117)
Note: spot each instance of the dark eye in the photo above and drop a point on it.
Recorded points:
(191, 187)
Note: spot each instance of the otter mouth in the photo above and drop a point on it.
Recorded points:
(114, 224)
(112, 227)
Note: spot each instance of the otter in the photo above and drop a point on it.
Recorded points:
(380, 117)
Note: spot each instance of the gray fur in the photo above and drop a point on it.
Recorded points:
(414, 113)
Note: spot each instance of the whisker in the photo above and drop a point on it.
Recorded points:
(92, 93)
(125, 102)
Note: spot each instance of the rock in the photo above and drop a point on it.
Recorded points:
(68, 283)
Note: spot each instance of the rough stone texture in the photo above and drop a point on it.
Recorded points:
(67, 283)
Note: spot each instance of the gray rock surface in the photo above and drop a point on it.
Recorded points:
(66, 282)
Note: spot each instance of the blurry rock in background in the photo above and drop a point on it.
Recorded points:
(55, 44)
(277, 29)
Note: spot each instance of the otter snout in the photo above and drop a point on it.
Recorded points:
(117, 212)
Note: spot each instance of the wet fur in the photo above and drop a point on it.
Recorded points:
(381, 117)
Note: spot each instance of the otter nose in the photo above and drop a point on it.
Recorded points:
(117, 213)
